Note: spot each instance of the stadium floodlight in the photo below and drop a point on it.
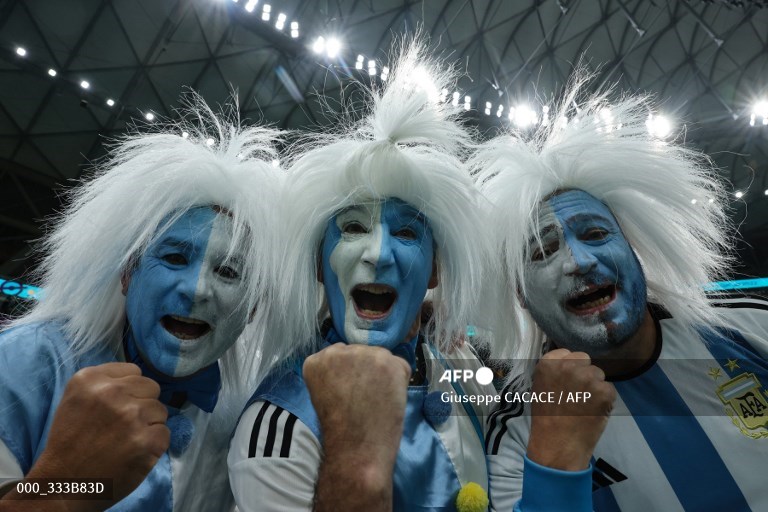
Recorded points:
(319, 45)
(280, 23)
(759, 113)
(360, 61)
(659, 126)
(524, 116)
(84, 84)
(110, 102)
(210, 141)
(21, 52)
(384, 73)
(372, 67)
(149, 116)
(52, 72)
(185, 135)
(456, 97)
(333, 47)
(467, 102)
(251, 5)
(294, 29)
(739, 194)
(488, 106)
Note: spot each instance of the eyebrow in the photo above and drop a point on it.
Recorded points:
(581, 217)
(176, 242)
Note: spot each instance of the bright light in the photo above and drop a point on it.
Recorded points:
(319, 45)
(110, 102)
(372, 67)
(333, 47)
(185, 135)
(488, 107)
(444, 95)
(467, 102)
(209, 141)
(265, 12)
(693, 201)
(384, 73)
(766, 192)
(280, 21)
(456, 97)
(711, 200)
(500, 110)
(360, 61)
(275, 163)
(423, 81)
(52, 72)
(84, 84)
(294, 29)
(739, 194)
(149, 116)
(759, 110)
(524, 116)
(21, 52)
(658, 126)
(251, 5)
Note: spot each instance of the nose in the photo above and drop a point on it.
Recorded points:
(195, 285)
(580, 260)
(378, 250)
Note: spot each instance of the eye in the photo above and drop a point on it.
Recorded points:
(406, 234)
(353, 228)
(595, 234)
(227, 272)
(540, 253)
(175, 258)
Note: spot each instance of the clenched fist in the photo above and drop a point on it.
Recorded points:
(564, 435)
(359, 393)
(109, 424)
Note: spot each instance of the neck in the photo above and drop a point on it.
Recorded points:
(633, 354)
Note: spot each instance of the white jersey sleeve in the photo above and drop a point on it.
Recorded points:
(273, 461)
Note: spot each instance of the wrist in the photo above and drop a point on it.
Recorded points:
(565, 456)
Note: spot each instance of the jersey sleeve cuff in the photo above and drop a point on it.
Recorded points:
(546, 489)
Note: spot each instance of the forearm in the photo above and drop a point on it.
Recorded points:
(347, 483)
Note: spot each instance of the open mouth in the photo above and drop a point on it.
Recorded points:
(373, 301)
(185, 328)
(592, 301)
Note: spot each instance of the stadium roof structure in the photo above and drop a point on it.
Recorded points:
(74, 74)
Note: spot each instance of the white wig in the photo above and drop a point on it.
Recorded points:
(408, 146)
(647, 184)
(148, 183)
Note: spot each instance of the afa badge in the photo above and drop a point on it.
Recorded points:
(746, 404)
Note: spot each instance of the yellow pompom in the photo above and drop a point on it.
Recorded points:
(472, 498)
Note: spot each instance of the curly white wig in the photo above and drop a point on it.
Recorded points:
(408, 146)
(149, 181)
(649, 186)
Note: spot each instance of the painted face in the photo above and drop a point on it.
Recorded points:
(183, 301)
(377, 262)
(584, 285)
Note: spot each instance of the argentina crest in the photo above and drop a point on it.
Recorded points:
(745, 399)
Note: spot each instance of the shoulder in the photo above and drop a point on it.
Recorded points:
(273, 458)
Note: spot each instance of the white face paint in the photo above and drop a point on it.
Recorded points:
(184, 299)
(377, 261)
(584, 285)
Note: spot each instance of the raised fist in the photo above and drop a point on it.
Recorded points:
(564, 432)
(109, 424)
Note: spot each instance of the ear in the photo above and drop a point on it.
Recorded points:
(433, 280)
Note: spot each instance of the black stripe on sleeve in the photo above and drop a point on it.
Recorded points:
(255, 430)
(285, 448)
(272, 432)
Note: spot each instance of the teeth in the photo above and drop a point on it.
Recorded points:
(188, 320)
(370, 312)
(595, 303)
(183, 336)
(378, 289)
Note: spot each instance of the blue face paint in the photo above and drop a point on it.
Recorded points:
(377, 261)
(585, 287)
(183, 301)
